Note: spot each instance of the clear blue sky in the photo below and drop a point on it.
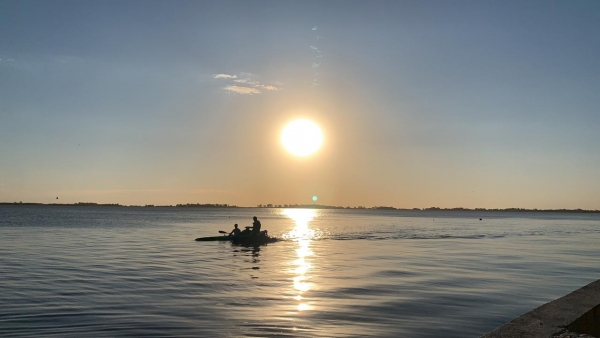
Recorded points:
(423, 103)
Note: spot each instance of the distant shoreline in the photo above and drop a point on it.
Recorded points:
(292, 206)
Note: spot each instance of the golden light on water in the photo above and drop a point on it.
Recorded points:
(302, 137)
(302, 234)
(301, 218)
(302, 307)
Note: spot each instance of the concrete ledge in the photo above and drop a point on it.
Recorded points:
(578, 311)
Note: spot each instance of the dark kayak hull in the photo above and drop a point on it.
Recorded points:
(252, 241)
(214, 238)
(241, 240)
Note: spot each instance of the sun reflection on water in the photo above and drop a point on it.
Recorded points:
(302, 234)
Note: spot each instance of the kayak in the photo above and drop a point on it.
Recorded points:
(242, 239)
(214, 238)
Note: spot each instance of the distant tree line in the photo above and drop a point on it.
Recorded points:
(317, 206)
(91, 204)
(303, 206)
(198, 205)
(78, 204)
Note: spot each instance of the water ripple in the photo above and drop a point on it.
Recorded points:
(108, 272)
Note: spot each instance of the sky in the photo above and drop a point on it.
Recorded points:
(478, 104)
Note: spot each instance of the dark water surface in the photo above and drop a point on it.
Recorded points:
(104, 271)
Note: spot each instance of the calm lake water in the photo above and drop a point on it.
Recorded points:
(104, 271)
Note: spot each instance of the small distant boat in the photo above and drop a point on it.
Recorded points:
(242, 239)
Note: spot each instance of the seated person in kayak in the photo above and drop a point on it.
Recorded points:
(235, 231)
(255, 227)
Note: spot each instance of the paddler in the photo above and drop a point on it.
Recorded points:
(235, 231)
(255, 227)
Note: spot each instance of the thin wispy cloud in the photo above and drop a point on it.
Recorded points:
(242, 90)
(246, 83)
(117, 191)
(225, 76)
(213, 191)
(127, 191)
(317, 58)
(67, 59)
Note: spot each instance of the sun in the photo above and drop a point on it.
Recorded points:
(301, 137)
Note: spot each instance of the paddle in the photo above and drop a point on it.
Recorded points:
(223, 232)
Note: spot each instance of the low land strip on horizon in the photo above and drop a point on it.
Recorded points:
(298, 206)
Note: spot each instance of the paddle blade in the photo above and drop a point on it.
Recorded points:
(222, 232)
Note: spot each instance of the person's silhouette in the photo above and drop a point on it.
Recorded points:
(235, 230)
(255, 227)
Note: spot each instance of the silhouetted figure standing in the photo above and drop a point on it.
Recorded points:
(235, 231)
(255, 227)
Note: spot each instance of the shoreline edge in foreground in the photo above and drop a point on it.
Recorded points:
(579, 312)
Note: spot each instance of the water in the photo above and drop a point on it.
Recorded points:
(104, 271)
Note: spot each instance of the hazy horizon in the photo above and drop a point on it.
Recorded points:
(421, 103)
(295, 206)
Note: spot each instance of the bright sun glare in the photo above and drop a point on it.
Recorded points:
(301, 137)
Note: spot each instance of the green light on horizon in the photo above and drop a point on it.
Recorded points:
(314, 198)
